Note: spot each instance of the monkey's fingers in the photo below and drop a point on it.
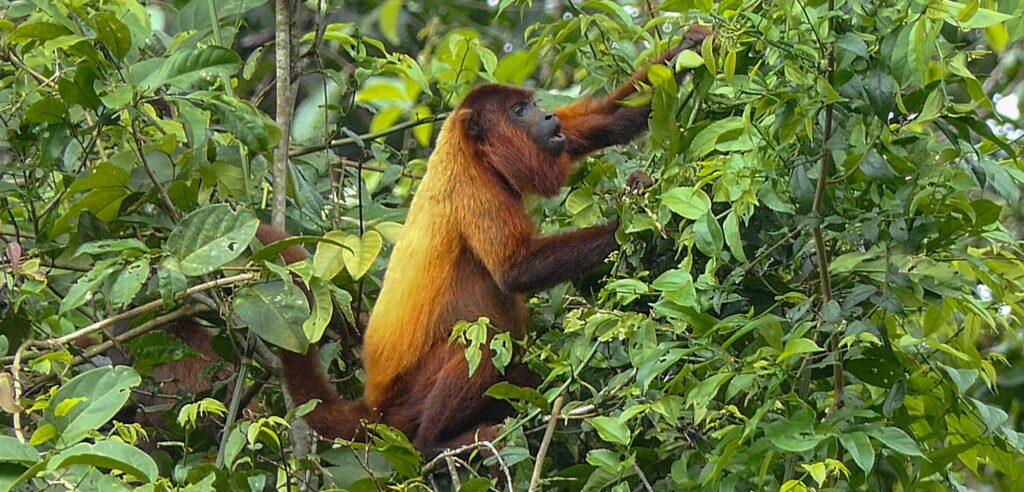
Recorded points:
(637, 181)
(692, 40)
(694, 36)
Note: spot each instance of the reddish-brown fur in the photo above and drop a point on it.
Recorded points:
(468, 250)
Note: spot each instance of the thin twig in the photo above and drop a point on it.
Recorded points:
(443, 457)
(643, 478)
(60, 341)
(545, 442)
(142, 329)
(456, 482)
(16, 381)
(236, 396)
(341, 142)
(161, 192)
(501, 463)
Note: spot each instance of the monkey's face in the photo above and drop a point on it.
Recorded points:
(543, 127)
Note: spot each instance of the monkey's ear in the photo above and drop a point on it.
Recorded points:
(475, 126)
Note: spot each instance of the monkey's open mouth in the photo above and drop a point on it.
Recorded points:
(558, 137)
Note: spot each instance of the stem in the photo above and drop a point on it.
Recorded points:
(341, 142)
(545, 442)
(282, 50)
(236, 396)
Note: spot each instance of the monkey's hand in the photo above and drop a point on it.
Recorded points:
(637, 181)
(692, 40)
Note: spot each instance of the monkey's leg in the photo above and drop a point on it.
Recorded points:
(456, 407)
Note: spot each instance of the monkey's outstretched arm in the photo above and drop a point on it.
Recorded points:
(551, 260)
(503, 238)
(591, 125)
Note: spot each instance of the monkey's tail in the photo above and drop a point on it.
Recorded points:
(305, 379)
(333, 417)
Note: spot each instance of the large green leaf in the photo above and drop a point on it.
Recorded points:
(109, 454)
(210, 237)
(15, 451)
(189, 66)
(195, 14)
(860, 449)
(87, 284)
(611, 429)
(113, 33)
(88, 401)
(275, 311)
(691, 203)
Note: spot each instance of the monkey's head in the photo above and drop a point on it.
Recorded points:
(523, 143)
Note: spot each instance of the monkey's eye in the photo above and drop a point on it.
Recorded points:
(519, 110)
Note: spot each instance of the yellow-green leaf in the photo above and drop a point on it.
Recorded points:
(363, 252)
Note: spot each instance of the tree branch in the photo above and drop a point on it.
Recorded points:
(545, 442)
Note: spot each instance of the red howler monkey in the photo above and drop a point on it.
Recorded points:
(468, 250)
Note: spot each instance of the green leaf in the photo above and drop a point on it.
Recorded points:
(691, 203)
(972, 17)
(797, 346)
(15, 451)
(195, 15)
(129, 282)
(104, 202)
(876, 167)
(210, 237)
(881, 90)
(895, 398)
(853, 44)
(37, 31)
(795, 434)
(611, 430)
(478, 484)
(515, 67)
(507, 391)
(848, 262)
(185, 68)
(817, 471)
(387, 20)
(245, 122)
(80, 292)
(962, 378)
(708, 235)
(113, 33)
(111, 246)
(993, 417)
(860, 449)
(80, 90)
(611, 8)
(109, 454)
(323, 310)
(702, 394)
(688, 59)
(732, 236)
(605, 458)
(46, 110)
(361, 252)
(677, 285)
(705, 141)
(896, 440)
(932, 107)
(101, 393)
(170, 280)
(43, 434)
(275, 311)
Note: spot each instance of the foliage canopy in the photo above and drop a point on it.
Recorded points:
(823, 289)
